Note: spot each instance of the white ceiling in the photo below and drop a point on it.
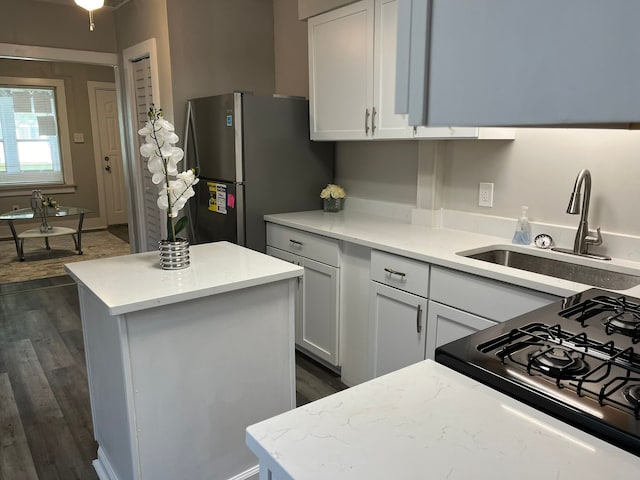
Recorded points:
(111, 4)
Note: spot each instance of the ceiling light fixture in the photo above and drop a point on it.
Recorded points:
(90, 5)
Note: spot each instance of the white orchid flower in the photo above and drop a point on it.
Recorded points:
(163, 158)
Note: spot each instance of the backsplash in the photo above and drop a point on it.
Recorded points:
(620, 246)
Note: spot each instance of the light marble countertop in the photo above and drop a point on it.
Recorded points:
(134, 282)
(439, 246)
(427, 421)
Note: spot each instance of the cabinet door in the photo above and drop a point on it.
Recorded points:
(525, 63)
(385, 122)
(320, 316)
(446, 324)
(398, 322)
(341, 73)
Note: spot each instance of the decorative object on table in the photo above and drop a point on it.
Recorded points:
(175, 188)
(40, 206)
(333, 196)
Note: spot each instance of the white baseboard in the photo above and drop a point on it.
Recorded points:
(105, 472)
(251, 474)
(103, 468)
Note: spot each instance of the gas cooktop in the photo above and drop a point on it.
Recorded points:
(577, 359)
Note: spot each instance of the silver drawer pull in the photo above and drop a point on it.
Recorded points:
(418, 323)
(391, 271)
(295, 242)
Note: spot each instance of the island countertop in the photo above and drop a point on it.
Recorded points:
(134, 282)
(428, 421)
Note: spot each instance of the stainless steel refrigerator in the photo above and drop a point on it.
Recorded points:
(254, 157)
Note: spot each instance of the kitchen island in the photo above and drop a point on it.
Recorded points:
(180, 362)
(427, 421)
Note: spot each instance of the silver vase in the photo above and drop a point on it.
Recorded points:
(174, 255)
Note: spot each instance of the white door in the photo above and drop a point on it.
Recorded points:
(398, 328)
(110, 152)
(319, 332)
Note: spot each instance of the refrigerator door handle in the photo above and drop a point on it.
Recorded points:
(238, 122)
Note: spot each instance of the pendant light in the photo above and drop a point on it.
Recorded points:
(90, 5)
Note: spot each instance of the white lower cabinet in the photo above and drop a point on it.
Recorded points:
(397, 311)
(446, 324)
(317, 324)
(398, 328)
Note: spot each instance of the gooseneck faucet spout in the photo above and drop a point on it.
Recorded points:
(583, 237)
(581, 245)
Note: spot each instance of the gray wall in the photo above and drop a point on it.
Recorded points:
(218, 46)
(383, 170)
(539, 168)
(290, 50)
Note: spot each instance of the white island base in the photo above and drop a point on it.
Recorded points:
(181, 362)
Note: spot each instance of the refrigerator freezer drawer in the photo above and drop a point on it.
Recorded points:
(315, 247)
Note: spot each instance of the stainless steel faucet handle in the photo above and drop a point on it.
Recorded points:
(595, 241)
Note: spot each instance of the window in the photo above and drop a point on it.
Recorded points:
(34, 139)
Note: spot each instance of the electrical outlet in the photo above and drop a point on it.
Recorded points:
(485, 195)
(15, 207)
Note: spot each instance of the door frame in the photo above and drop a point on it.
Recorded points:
(136, 182)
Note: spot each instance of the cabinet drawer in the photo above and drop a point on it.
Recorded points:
(318, 248)
(400, 272)
(488, 298)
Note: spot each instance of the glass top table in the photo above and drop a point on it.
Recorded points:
(45, 231)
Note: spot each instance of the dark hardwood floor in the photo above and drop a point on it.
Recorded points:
(45, 416)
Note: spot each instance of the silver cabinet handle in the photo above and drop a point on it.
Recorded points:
(418, 324)
(366, 121)
(373, 121)
(391, 271)
(295, 242)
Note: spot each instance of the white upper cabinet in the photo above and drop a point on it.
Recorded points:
(341, 72)
(543, 62)
(352, 78)
(352, 53)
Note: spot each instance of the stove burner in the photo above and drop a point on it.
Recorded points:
(558, 362)
(626, 323)
(617, 314)
(631, 394)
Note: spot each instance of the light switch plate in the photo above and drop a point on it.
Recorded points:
(78, 138)
(485, 195)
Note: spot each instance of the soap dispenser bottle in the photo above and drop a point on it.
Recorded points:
(522, 235)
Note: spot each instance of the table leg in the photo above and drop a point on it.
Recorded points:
(80, 234)
(15, 239)
(46, 243)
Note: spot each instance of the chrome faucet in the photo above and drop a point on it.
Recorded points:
(584, 238)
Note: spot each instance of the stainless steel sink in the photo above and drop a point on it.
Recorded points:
(575, 272)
